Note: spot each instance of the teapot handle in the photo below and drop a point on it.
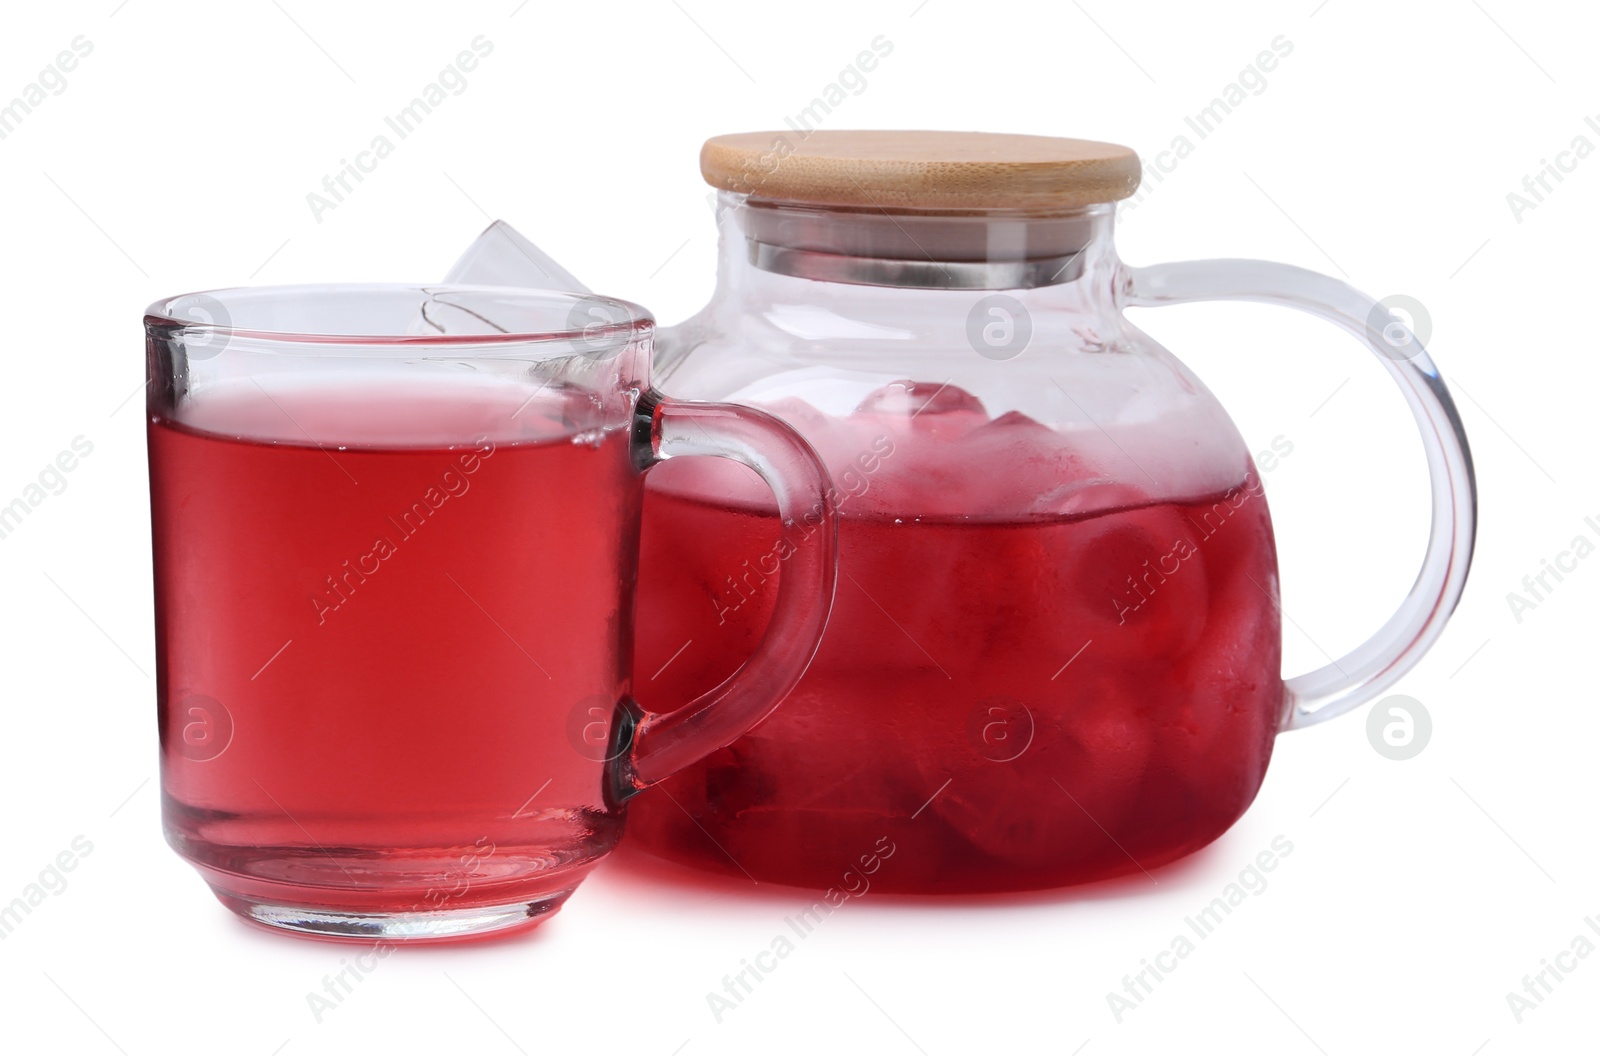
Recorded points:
(1377, 663)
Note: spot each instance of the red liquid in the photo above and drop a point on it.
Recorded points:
(1015, 702)
(387, 643)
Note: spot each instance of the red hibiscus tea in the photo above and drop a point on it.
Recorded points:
(1081, 683)
(365, 645)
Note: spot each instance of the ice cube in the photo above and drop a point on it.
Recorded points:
(917, 399)
(502, 256)
(1134, 580)
(1065, 796)
(1021, 468)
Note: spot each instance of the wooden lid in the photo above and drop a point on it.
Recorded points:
(921, 170)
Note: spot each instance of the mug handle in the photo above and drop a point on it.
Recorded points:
(651, 746)
(1377, 663)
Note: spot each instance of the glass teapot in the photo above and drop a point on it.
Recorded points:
(1054, 651)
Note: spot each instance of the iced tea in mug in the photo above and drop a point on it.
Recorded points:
(394, 574)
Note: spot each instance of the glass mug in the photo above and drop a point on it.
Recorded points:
(395, 536)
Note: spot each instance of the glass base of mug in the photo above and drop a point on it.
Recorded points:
(346, 889)
(439, 925)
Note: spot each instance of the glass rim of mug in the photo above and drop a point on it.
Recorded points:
(223, 315)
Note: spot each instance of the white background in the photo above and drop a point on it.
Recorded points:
(1418, 893)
